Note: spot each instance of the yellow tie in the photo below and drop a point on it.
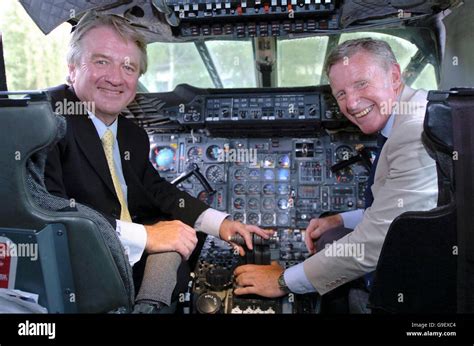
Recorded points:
(108, 144)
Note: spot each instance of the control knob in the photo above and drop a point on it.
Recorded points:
(208, 303)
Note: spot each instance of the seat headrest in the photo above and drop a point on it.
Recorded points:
(437, 126)
(29, 124)
(28, 127)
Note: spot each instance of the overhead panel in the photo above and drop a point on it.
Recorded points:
(188, 20)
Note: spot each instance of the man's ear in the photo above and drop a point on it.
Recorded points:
(72, 73)
(396, 76)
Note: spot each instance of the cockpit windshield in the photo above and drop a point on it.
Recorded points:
(232, 63)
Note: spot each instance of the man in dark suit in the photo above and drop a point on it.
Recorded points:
(103, 161)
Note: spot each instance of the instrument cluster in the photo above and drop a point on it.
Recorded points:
(271, 182)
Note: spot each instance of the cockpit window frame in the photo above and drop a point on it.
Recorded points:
(421, 37)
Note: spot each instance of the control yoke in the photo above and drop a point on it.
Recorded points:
(193, 169)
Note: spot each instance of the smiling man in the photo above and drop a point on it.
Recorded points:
(103, 161)
(366, 81)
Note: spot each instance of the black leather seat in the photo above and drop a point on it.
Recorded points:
(81, 265)
(417, 268)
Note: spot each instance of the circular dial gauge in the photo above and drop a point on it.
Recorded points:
(163, 158)
(213, 152)
(239, 203)
(254, 174)
(238, 217)
(253, 188)
(253, 204)
(343, 152)
(267, 219)
(283, 189)
(268, 161)
(215, 174)
(239, 189)
(194, 154)
(239, 174)
(268, 174)
(268, 189)
(268, 203)
(252, 218)
(284, 161)
(203, 196)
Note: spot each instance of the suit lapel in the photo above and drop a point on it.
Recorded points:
(383, 166)
(90, 144)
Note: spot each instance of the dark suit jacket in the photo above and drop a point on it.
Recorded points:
(77, 168)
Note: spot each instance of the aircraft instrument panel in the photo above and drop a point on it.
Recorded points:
(271, 182)
(271, 157)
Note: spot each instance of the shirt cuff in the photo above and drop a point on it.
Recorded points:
(210, 221)
(296, 280)
(352, 218)
(133, 238)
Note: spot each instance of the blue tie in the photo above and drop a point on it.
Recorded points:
(369, 197)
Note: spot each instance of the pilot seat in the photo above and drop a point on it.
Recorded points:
(81, 266)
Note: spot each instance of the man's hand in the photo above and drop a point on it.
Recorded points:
(229, 228)
(173, 235)
(259, 279)
(317, 227)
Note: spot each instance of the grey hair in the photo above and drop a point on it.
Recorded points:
(379, 49)
(93, 20)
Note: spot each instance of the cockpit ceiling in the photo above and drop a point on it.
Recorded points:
(187, 20)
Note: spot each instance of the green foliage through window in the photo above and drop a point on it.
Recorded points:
(300, 61)
(170, 64)
(32, 60)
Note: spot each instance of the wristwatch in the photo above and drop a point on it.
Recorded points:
(282, 284)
